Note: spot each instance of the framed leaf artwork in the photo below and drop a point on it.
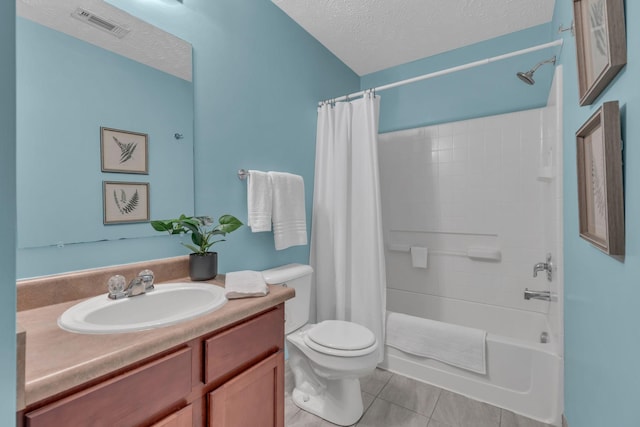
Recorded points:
(600, 192)
(125, 202)
(124, 151)
(601, 45)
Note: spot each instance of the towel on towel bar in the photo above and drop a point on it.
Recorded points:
(288, 217)
(244, 284)
(259, 201)
(452, 344)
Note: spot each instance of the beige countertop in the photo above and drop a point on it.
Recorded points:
(57, 360)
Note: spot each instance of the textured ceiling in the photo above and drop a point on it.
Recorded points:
(144, 43)
(371, 35)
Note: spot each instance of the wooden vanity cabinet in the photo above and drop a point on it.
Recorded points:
(230, 378)
(254, 398)
(181, 418)
(128, 399)
(248, 363)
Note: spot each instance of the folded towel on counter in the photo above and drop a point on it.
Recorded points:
(259, 201)
(452, 344)
(289, 216)
(244, 284)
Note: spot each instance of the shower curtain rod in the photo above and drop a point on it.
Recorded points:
(449, 70)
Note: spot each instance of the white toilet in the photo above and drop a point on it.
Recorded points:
(328, 358)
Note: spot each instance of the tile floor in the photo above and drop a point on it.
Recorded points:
(391, 400)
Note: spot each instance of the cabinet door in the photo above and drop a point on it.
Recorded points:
(253, 398)
(240, 347)
(182, 418)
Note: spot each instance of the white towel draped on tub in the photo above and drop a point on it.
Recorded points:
(244, 284)
(259, 201)
(452, 344)
(289, 217)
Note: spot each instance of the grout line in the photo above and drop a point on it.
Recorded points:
(385, 384)
(436, 405)
(403, 407)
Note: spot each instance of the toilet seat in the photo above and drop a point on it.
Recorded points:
(340, 338)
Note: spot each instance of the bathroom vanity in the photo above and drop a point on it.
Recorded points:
(222, 369)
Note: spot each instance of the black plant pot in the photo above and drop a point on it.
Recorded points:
(203, 267)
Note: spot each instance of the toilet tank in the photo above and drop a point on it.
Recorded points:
(298, 277)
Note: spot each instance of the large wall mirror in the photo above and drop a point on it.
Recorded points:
(76, 74)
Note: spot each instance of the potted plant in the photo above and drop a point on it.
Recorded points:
(203, 264)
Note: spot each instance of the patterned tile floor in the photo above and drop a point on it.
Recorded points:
(391, 400)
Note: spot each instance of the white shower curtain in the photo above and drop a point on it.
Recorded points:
(347, 252)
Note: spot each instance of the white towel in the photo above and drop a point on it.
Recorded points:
(259, 201)
(289, 217)
(452, 344)
(244, 284)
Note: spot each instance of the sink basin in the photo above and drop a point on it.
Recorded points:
(168, 304)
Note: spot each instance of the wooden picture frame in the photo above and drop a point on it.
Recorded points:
(122, 151)
(125, 202)
(600, 191)
(601, 45)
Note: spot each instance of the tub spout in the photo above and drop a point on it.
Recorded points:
(542, 295)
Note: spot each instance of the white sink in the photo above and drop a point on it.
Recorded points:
(167, 305)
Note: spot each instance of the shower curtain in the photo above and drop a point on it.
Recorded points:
(347, 252)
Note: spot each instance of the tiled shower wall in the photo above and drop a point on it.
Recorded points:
(488, 182)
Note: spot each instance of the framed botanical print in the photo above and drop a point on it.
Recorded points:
(124, 151)
(125, 202)
(600, 43)
(600, 191)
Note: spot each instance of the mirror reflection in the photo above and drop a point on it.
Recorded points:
(76, 76)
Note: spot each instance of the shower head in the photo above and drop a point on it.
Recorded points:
(527, 77)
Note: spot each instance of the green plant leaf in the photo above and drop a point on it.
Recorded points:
(192, 248)
(228, 223)
(197, 239)
(191, 221)
(190, 227)
(161, 225)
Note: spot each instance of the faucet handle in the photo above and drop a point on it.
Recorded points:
(542, 266)
(116, 285)
(147, 277)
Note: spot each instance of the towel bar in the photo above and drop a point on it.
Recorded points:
(243, 174)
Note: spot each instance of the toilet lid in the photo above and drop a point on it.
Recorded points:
(341, 335)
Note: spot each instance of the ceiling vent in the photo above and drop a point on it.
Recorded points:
(100, 23)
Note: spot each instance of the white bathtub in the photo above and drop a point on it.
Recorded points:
(523, 375)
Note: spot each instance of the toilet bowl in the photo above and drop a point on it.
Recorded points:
(327, 359)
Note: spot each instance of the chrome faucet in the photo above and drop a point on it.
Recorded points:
(542, 266)
(542, 295)
(139, 285)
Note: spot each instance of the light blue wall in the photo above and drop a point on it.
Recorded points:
(602, 334)
(482, 91)
(258, 78)
(7, 214)
(59, 115)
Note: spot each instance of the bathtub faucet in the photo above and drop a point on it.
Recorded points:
(543, 295)
(544, 266)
